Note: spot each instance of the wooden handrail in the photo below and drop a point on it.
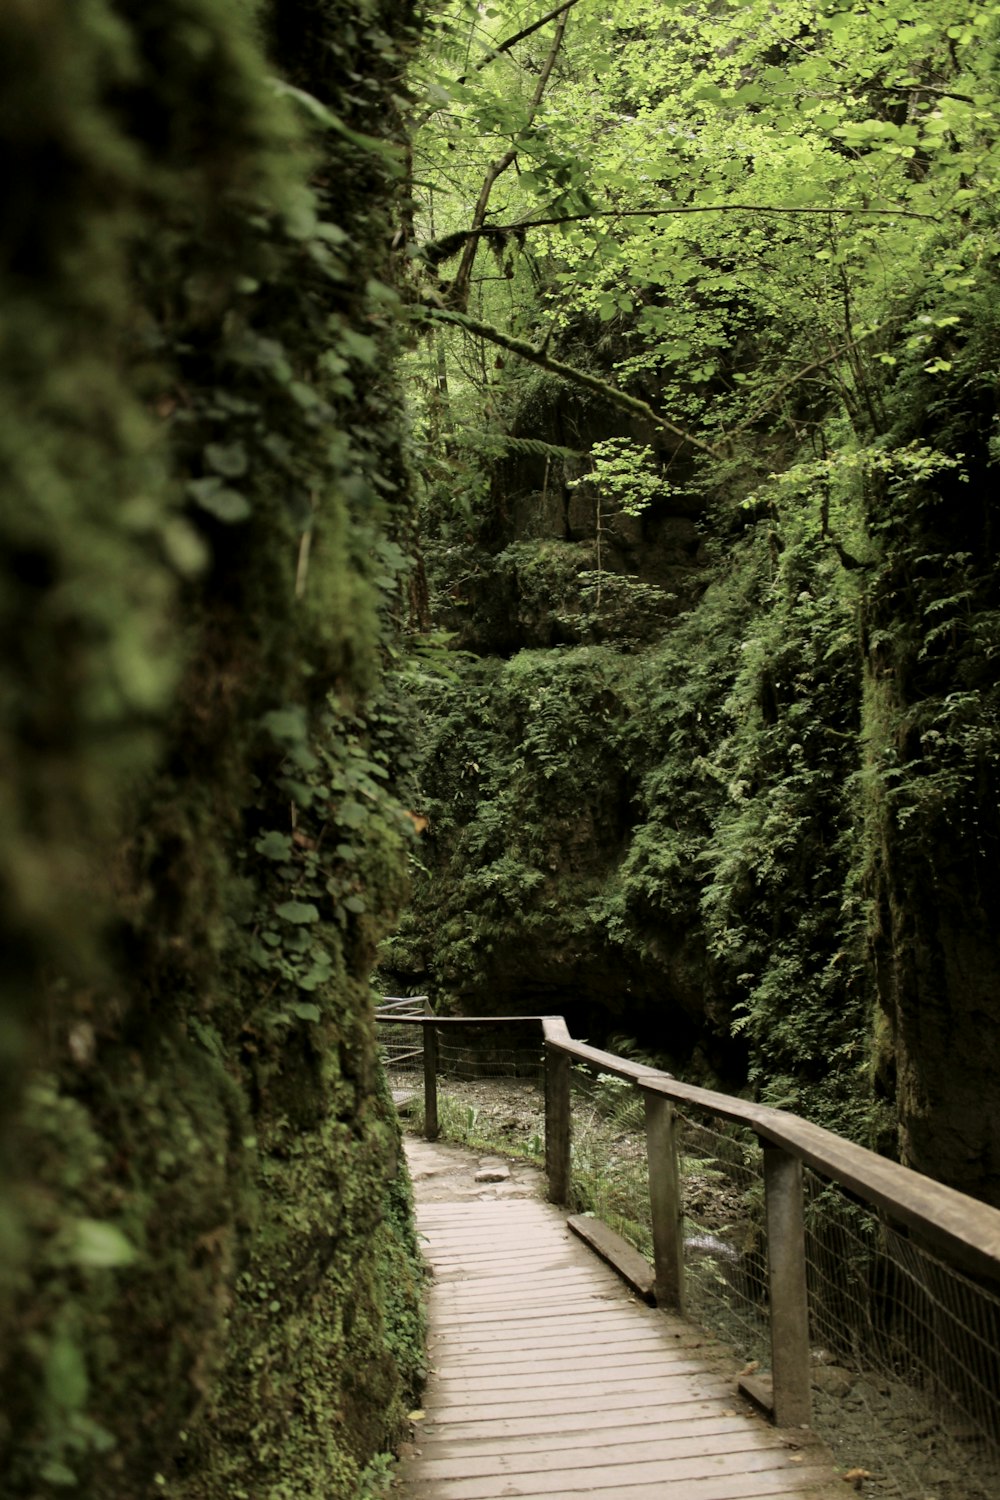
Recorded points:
(965, 1229)
(962, 1230)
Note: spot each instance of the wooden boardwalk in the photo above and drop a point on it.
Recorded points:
(550, 1381)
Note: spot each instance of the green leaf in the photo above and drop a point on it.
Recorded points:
(228, 459)
(274, 845)
(222, 503)
(297, 911)
(99, 1245)
(304, 1011)
(56, 1473)
(66, 1379)
(355, 904)
(351, 814)
(286, 725)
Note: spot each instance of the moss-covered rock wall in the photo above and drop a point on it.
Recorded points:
(208, 1280)
(758, 833)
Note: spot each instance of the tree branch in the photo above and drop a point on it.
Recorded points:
(438, 251)
(500, 49)
(460, 285)
(631, 404)
(851, 346)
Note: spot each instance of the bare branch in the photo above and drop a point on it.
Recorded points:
(711, 208)
(851, 347)
(631, 404)
(460, 285)
(500, 49)
(438, 251)
(455, 240)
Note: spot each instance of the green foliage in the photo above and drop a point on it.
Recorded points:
(773, 235)
(623, 471)
(201, 1196)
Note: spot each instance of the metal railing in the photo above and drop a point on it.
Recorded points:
(885, 1277)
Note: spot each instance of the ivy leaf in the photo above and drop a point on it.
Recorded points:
(274, 845)
(351, 813)
(58, 1474)
(286, 725)
(66, 1373)
(298, 911)
(228, 459)
(220, 501)
(99, 1245)
(305, 1012)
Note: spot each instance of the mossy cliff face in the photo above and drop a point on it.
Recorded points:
(932, 783)
(760, 832)
(207, 1276)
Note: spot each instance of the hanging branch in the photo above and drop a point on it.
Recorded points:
(460, 285)
(631, 404)
(440, 250)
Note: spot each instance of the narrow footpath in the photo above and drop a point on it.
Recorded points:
(550, 1380)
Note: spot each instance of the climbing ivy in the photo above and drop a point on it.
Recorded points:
(203, 1202)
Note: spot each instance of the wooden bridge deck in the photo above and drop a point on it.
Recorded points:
(550, 1381)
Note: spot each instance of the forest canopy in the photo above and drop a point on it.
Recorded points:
(706, 426)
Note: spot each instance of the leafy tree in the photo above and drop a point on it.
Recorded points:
(754, 247)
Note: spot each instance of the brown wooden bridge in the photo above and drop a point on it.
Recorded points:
(552, 1377)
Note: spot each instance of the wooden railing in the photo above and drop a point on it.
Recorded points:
(960, 1230)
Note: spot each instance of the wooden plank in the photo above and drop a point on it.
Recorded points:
(738, 1448)
(456, 1301)
(492, 1251)
(807, 1484)
(434, 1444)
(553, 1269)
(555, 1333)
(602, 1355)
(601, 1398)
(532, 1376)
(617, 1253)
(731, 1478)
(690, 1413)
(471, 1350)
(544, 1316)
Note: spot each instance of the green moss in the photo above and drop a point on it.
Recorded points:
(201, 475)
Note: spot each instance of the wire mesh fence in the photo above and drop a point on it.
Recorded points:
(609, 1175)
(490, 1089)
(725, 1236)
(905, 1349)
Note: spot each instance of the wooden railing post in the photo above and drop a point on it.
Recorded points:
(430, 1082)
(557, 1124)
(665, 1202)
(786, 1267)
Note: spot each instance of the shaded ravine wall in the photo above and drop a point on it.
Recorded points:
(758, 838)
(208, 1277)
